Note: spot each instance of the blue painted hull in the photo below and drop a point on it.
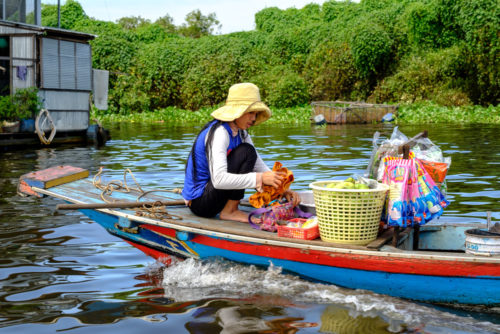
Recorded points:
(483, 290)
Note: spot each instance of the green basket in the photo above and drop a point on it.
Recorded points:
(348, 216)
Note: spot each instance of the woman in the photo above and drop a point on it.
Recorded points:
(223, 161)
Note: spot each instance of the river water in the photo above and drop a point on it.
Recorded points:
(64, 273)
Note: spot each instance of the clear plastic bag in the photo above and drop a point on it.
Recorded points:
(423, 149)
(388, 148)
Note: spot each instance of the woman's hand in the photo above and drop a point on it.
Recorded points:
(292, 196)
(273, 179)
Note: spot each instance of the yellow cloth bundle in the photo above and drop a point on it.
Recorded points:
(269, 193)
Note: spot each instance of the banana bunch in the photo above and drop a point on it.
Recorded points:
(349, 183)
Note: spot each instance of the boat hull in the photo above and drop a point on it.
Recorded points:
(429, 280)
(443, 275)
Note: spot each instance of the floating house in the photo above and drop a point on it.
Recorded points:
(56, 61)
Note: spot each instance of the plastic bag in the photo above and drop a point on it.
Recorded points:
(436, 170)
(419, 208)
(430, 192)
(388, 148)
(272, 214)
(396, 176)
(432, 159)
(414, 198)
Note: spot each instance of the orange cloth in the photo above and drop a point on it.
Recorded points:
(269, 193)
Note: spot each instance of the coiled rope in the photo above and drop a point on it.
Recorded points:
(156, 211)
(43, 117)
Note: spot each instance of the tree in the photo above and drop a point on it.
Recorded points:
(71, 13)
(132, 22)
(167, 23)
(198, 25)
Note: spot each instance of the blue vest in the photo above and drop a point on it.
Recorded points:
(194, 188)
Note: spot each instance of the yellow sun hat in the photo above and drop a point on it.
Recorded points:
(243, 98)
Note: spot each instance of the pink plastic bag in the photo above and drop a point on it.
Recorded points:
(396, 176)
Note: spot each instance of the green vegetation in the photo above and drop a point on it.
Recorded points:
(432, 55)
(415, 113)
(24, 104)
(294, 115)
(424, 113)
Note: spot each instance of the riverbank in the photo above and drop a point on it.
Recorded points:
(416, 113)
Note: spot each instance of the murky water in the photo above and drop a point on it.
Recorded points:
(63, 272)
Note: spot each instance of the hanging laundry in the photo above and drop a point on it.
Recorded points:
(22, 71)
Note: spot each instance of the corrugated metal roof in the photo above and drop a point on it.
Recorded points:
(49, 31)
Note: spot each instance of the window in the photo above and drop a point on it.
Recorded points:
(23, 11)
(4, 65)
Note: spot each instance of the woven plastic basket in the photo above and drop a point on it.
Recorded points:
(310, 233)
(348, 216)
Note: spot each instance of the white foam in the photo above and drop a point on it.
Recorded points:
(193, 279)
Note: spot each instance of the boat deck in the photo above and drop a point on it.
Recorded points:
(84, 192)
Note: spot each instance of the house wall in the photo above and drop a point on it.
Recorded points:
(23, 56)
(63, 74)
(69, 110)
(65, 82)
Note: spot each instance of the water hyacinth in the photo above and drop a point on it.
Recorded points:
(416, 113)
(425, 113)
(294, 115)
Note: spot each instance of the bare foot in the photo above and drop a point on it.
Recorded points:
(237, 215)
(231, 212)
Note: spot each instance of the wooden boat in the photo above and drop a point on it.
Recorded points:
(349, 112)
(439, 271)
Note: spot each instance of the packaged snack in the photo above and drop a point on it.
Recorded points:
(313, 221)
(396, 176)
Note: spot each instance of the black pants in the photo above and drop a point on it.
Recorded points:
(241, 160)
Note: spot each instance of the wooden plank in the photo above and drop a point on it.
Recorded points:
(381, 240)
(54, 176)
(83, 191)
(117, 205)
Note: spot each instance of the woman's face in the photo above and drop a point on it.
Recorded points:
(246, 120)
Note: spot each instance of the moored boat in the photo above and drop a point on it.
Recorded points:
(438, 271)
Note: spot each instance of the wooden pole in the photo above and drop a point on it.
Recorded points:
(117, 205)
(406, 154)
(59, 13)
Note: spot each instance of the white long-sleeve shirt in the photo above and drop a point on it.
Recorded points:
(219, 175)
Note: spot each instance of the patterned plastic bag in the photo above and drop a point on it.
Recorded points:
(430, 192)
(270, 215)
(396, 176)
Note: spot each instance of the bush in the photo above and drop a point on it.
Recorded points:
(479, 20)
(386, 50)
(281, 87)
(371, 49)
(423, 26)
(8, 111)
(210, 74)
(436, 76)
(160, 71)
(342, 10)
(273, 19)
(24, 104)
(330, 72)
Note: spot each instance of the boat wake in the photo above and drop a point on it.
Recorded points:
(193, 279)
